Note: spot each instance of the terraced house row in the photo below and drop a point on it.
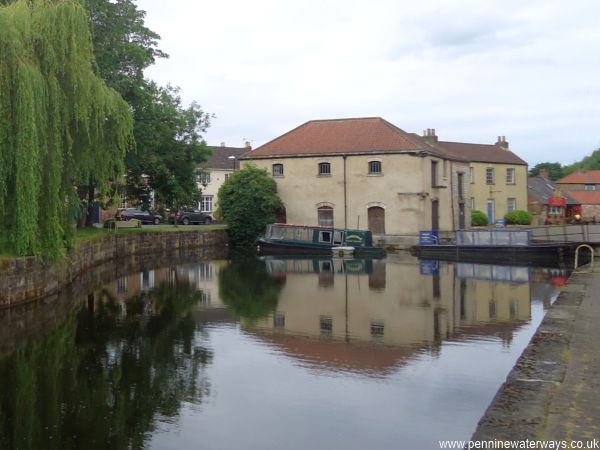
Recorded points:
(366, 173)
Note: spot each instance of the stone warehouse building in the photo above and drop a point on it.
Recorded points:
(366, 173)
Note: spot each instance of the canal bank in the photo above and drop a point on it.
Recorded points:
(26, 279)
(553, 392)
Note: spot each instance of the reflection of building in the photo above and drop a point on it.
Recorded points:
(204, 275)
(393, 304)
(373, 319)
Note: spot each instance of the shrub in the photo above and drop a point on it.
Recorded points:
(518, 217)
(478, 218)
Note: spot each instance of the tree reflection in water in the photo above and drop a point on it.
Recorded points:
(105, 377)
(248, 289)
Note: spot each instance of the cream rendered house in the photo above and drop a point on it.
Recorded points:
(498, 177)
(366, 173)
(213, 173)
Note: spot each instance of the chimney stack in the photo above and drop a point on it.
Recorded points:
(248, 145)
(429, 135)
(222, 144)
(502, 142)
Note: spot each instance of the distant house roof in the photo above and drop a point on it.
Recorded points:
(487, 153)
(582, 176)
(586, 197)
(346, 136)
(220, 157)
(542, 189)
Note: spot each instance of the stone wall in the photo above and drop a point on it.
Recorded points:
(26, 279)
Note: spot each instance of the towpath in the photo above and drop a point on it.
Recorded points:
(553, 393)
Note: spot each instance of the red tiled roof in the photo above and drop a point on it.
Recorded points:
(581, 177)
(481, 152)
(586, 197)
(344, 136)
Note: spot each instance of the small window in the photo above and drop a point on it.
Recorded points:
(227, 175)
(325, 236)
(326, 324)
(510, 176)
(511, 204)
(472, 175)
(472, 202)
(434, 173)
(375, 168)
(377, 328)
(279, 320)
(489, 175)
(204, 178)
(324, 169)
(277, 170)
(590, 187)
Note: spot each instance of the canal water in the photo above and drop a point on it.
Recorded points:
(275, 354)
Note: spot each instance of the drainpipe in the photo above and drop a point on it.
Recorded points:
(345, 196)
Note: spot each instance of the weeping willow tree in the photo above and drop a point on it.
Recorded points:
(60, 125)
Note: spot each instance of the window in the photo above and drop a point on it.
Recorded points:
(279, 320)
(227, 175)
(434, 173)
(122, 284)
(492, 309)
(374, 167)
(461, 187)
(277, 170)
(472, 175)
(204, 178)
(324, 169)
(472, 202)
(325, 236)
(510, 176)
(590, 187)
(511, 204)
(377, 328)
(489, 175)
(326, 324)
(325, 216)
(556, 211)
(206, 203)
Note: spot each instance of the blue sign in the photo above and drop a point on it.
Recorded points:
(500, 223)
(429, 237)
(429, 268)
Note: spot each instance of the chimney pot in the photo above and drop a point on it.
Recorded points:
(222, 144)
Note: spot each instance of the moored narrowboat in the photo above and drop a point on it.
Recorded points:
(316, 240)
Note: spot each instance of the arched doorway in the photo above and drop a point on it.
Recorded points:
(376, 216)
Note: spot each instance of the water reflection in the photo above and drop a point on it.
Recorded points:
(102, 378)
(170, 356)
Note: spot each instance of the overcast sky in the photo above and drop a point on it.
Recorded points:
(471, 69)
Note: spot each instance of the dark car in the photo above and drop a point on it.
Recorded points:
(188, 216)
(143, 216)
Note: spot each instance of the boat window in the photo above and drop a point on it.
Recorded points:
(277, 233)
(337, 237)
(325, 236)
(303, 234)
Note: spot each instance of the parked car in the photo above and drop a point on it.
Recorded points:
(188, 216)
(134, 213)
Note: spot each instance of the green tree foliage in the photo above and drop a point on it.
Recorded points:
(555, 170)
(248, 201)
(169, 148)
(168, 135)
(60, 125)
(478, 218)
(591, 162)
(518, 217)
